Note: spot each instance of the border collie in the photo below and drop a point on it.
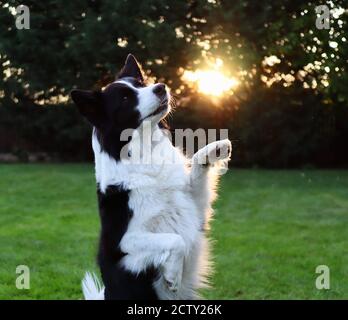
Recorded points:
(153, 213)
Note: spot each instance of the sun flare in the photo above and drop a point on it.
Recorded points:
(211, 82)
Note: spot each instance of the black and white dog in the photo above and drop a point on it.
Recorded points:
(153, 213)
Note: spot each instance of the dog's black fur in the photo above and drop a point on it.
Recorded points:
(110, 112)
(114, 109)
(119, 283)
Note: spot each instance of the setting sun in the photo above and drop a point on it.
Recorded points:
(211, 82)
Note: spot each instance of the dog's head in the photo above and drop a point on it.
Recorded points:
(124, 103)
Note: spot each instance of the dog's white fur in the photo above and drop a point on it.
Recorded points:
(171, 202)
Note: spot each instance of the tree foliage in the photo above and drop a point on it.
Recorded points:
(290, 108)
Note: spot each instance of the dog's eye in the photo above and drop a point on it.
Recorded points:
(125, 98)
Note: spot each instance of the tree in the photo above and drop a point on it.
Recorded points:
(274, 48)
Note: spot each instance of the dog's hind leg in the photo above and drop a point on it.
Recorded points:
(203, 176)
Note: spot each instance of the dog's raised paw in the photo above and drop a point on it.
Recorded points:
(213, 152)
(223, 149)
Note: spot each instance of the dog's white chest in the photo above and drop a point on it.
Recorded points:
(164, 211)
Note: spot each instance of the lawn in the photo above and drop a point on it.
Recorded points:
(271, 230)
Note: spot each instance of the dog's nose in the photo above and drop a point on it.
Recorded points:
(159, 90)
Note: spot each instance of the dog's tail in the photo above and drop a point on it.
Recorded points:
(92, 288)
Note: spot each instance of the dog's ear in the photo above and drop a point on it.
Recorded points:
(89, 105)
(132, 69)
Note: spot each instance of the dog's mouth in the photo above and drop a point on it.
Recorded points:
(163, 106)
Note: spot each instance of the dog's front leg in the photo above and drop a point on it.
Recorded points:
(208, 156)
(203, 185)
(164, 250)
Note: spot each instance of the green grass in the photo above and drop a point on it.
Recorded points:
(271, 230)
